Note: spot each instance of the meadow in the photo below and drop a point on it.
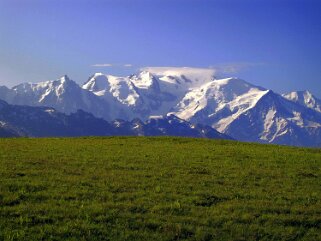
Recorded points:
(157, 188)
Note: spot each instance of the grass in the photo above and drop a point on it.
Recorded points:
(129, 188)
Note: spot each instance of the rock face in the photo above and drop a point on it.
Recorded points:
(231, 105)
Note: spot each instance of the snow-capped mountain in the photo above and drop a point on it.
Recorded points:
(250, 113)
(62, 94)
(218, 102)
(17, 120)
(304, 98)
(153, 91)
(137, 96)
(230, 105)
(274, 119)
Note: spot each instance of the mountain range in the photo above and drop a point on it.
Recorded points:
(232, 106)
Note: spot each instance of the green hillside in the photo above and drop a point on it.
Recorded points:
(157, 189)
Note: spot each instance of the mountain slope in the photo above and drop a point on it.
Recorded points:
(45, 121)
(169, 125)
(16, 120)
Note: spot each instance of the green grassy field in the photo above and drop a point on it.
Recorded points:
(157, 189)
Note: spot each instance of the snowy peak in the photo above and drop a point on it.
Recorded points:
(61, 83)
(63, 94)
(232, 88)
(275, 119)
(55, 89)
(219, 101)
(119, 91)
(238, 85)
(64, 79)
(96, 83)
(300, 96)
(145, 80)
(304, 98)
(183, 77)
(99, 81)
(140, 95)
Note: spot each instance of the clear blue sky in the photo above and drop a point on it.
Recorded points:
(275, 43)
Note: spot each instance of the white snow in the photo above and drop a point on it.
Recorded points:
(156, 117)
(232, 94)
(185, 76)
(143, 80)
(268, 124)
(50, 110)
